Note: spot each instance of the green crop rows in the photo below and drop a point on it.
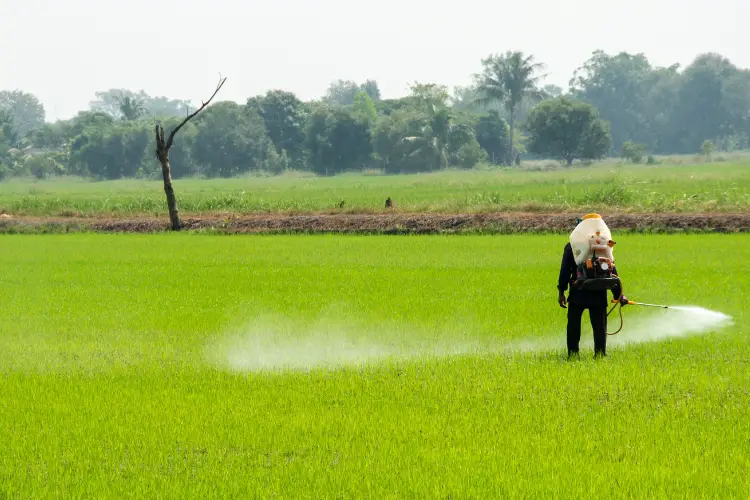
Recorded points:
(193, 366)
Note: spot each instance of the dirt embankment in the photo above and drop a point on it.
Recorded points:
(390, 223)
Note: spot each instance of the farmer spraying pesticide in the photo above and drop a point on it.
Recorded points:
(588, 268)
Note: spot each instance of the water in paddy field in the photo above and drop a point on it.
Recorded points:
(269, 348)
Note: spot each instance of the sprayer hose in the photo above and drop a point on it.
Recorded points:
(622, 292)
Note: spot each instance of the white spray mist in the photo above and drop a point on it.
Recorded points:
(675, 322)
(272, 345)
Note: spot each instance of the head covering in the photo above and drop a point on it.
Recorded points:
(587, 216)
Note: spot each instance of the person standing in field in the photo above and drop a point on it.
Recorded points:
(579, 300)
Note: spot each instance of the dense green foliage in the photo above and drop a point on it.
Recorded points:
(665, 109)
(661, 110)
(117, 356)
(723, 187)
(20, 113)
(567, 129)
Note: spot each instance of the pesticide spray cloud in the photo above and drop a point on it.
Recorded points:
(675, 322)
(272, 344)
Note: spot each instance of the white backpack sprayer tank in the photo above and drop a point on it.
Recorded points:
(591, 242)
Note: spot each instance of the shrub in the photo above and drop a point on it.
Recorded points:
(633, 151)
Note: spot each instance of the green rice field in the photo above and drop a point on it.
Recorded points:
(197, 366)
(717, 187)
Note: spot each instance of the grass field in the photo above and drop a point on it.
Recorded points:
(718, 187)
(430, 367)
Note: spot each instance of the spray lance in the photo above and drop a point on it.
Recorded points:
(630, 303)
(634, 303)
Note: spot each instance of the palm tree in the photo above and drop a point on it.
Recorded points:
(438, 126)
(433, 138)
(131, 108)
(508, 79)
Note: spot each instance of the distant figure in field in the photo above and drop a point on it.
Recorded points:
(388, 203)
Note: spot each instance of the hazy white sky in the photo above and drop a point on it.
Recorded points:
(65, 50)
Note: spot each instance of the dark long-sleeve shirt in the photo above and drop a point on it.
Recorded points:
(586, 298)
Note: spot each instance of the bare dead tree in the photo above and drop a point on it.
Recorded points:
(162, 154)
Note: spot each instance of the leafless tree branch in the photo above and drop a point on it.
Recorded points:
(192, 115)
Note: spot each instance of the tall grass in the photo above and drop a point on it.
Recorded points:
(720, 187)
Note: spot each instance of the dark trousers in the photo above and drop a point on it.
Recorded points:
(598, 317)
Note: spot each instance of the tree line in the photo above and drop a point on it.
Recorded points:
(616, 105)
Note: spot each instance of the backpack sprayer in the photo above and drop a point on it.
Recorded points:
(592, 246)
